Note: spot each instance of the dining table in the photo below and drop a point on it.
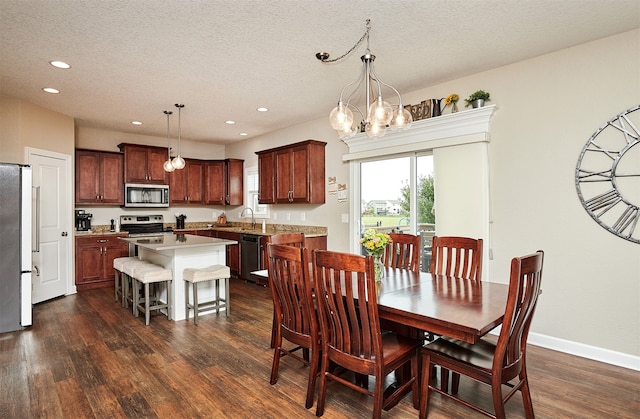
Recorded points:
(455, 307)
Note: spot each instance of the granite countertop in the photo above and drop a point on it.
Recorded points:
(176, 241)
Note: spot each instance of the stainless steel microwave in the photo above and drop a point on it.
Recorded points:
(146, 196)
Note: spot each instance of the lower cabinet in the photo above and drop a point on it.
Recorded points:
(233, 251)
(94, 260)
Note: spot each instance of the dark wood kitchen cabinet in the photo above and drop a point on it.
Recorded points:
(233, 251)
(94, 260)
(144, 164)
(186, 185)
(297, 172)
(99, 178)
(224, 182)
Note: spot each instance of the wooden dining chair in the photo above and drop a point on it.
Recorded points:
(350, 328)
(288, 239)
(460, 257)
(403, 252)
(495, 364)
(294, 311)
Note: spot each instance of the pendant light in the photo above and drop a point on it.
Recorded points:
(378, 115)
(168, 166)
(178, 162)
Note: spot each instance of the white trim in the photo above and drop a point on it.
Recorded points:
(443, 131)
(582, 350)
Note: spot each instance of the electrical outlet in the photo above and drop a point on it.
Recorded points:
(274, 215)
(214, 214)
(345, 218)
(303, 216)
(288, 216)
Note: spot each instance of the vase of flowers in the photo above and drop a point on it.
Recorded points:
(478, 98)
(375, 243)
(452, 100)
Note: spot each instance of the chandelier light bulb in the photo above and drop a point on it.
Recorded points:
(402, 120)
(374, 130)
(178, 162)
(340, 116)
(380, 112)
(168, 166)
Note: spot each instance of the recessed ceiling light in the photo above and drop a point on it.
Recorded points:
(229, 122)
(59, 64)
(262, 109)
(50, 90)
(243, 134)
(136, 122)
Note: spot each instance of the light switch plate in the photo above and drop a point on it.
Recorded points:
(345, 218)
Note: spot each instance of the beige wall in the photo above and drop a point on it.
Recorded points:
(23, 124)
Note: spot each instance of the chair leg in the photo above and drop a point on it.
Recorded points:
(134, 297)
(117, 283)
(169, 301)
(313, 372)
(227, 307)
(526, 394)
(322, 393)
(147, 312)
(378, 398)
(424, 385)
(217, 300)
(275, 365)
(186, 301)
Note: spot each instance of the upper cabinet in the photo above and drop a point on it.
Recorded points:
(144, 164)
(224, 182)
(292, 174)
(99, 178)
(186, 185)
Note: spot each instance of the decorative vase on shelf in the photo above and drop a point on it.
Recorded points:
(454, 108)
(478, 103)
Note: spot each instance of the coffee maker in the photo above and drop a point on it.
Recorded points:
(83, 220)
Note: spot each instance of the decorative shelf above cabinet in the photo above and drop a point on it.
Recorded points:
(291, 174)
(144, 164)
(99, 178)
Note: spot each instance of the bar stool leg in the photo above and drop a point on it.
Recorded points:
(147, 312)
(226, 296)
(217, 281)
(195, 303)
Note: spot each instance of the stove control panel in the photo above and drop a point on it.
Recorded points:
(141, 219)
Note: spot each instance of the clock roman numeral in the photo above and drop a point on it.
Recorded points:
(604, 201)
(589, 176)
(627, 221)
(632, 131)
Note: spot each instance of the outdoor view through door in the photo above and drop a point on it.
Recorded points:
(397, 196)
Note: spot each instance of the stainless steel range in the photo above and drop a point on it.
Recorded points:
(143, 225)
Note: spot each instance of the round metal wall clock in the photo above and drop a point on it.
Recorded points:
(608, 175)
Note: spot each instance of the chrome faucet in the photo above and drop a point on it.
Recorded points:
(253, 221)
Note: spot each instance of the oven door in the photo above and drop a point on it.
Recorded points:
(146, 196)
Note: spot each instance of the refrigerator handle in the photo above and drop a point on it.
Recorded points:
(36, 246)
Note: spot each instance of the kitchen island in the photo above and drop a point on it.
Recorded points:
(177, 252)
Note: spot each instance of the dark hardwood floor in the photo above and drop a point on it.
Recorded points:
(85, 356)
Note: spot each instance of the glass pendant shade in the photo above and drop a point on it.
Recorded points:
(380, 112)
(401, 120)
(375, 130)
(178, 162)
(168, 166)
(341, 116)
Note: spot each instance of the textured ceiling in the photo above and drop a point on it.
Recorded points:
(131, 60)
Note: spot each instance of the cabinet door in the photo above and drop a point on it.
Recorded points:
(235, 182)
(87, 177)
(111, 179)
(299, 175)
(135, 165)
(215, 183)
(195, 177)
(233, 251)
(178, 186)
(155, 166)
(284, 173)
(89, 267)
(266, 178)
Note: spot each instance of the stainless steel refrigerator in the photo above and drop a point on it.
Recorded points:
(15, 246)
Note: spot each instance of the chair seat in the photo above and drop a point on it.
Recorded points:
(129, 266)
(480, 355)
(118, 263)
(151, 273)
(206, 274)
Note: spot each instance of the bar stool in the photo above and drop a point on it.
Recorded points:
(150, 274)
(210, 273)
(121, 277)
(128, 268)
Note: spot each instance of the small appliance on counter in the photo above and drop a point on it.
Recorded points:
(83, 220)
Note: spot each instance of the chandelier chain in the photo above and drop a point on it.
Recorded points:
(353, 48)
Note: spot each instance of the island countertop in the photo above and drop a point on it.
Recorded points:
(176, 241)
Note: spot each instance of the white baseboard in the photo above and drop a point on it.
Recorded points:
(585, 351)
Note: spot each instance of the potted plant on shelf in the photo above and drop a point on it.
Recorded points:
(477, 99)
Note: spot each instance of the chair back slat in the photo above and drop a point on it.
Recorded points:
(289, 239)
(291, 289)
(346, 296)
(460, 257)
(403, 252)
(524, 290)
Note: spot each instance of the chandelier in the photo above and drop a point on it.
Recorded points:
(178, 162)
(379, 115)
(168, 167)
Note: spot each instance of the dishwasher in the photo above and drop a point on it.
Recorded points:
(249, 255)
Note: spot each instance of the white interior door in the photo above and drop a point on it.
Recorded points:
(51, 263)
